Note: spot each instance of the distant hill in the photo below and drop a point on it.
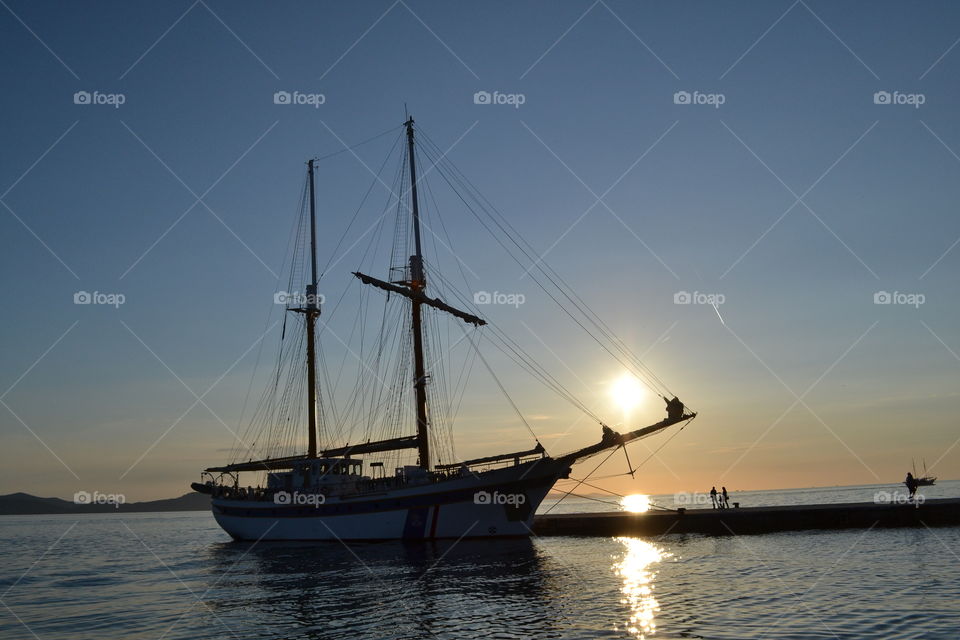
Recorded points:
(26, 504)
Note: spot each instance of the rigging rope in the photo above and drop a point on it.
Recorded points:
(363, 200)
(358, 144)
(382, 401)
(581, 482)
(503, 390)
(639, 369)
(631, 472)
(654, 452)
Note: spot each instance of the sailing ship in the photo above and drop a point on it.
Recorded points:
(344, 492)
(926, 480)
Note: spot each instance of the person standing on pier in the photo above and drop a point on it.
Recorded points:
(726, 499)
(713, 497)
(912, 485)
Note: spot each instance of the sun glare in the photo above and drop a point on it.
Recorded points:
(636, 503)
(627, 392)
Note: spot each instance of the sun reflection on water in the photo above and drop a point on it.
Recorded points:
(635, 571)
(635, 503)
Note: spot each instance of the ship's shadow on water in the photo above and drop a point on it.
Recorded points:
(392, 589)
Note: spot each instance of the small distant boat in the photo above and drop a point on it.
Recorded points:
(926, 480)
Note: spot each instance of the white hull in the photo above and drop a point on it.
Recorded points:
(448, 509)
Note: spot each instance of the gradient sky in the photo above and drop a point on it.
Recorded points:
(797, 199)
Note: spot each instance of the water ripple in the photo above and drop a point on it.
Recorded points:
(175, 576)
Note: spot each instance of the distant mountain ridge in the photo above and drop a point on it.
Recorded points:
(21, 503)
(25, 504)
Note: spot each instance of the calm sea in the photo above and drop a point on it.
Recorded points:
(177, 575)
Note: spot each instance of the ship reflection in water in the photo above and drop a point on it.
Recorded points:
(635, 569)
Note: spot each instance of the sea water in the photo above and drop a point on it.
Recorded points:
(177, 576)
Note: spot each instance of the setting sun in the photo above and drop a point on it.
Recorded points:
(627, 392)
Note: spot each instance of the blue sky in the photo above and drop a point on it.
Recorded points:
(797, 199)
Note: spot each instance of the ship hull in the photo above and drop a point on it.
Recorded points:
(497, 503)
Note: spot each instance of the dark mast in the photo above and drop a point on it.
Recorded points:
(413, 289)
(312, 311)
(417, 285)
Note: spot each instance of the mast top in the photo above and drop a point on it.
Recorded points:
(416, 260)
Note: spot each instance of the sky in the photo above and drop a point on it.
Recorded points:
(797, 163)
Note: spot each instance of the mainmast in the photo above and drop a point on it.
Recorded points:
(417, 285)
(312, 311)
(413, 289)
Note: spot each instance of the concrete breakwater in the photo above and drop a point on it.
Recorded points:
(752, 520)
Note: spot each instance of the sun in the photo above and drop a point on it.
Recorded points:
(627, 392)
